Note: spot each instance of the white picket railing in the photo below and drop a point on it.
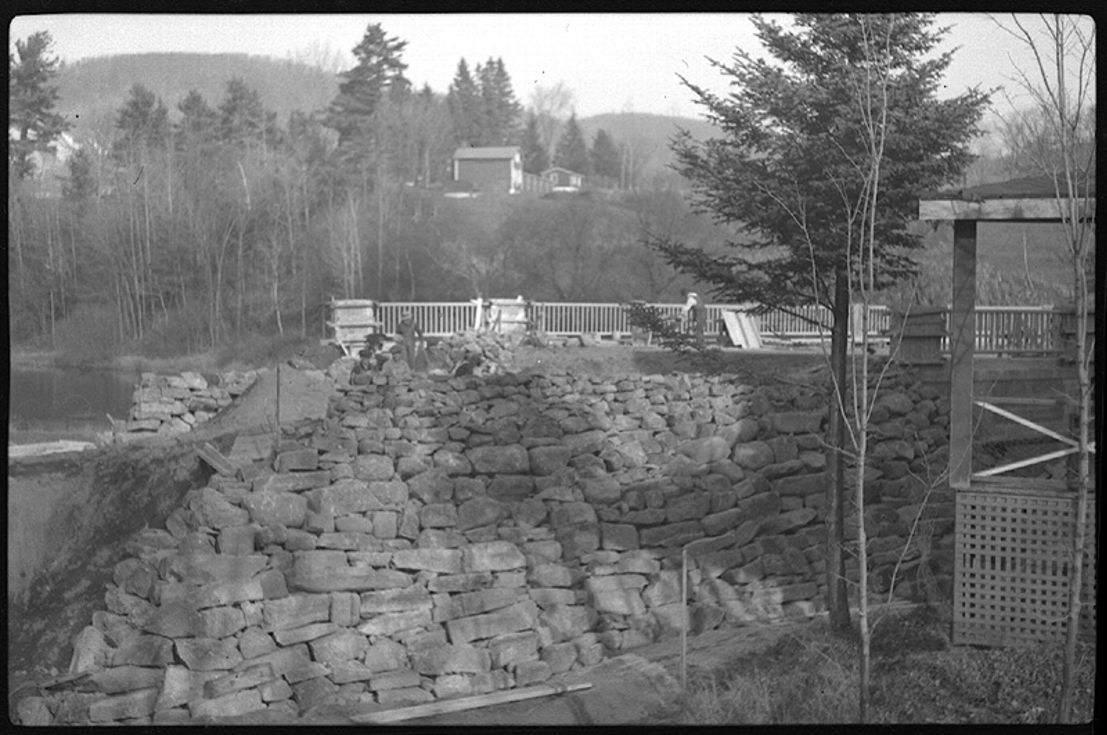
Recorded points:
(1014, 329)
(999, 329)
(444, 318)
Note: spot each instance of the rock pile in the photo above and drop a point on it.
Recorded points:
(474, 353)
(436, 537)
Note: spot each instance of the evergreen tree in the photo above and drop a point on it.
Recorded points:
(142, 122)
(198, 123)
(81, 184)
(535, 160)
(399, 91)
(489, 125)
(794, 154)
(501, 111)
(509, 110)
(572, 150)
(31, 101)
(243, 118)
(606, 159)
(463, 99)
(379, 68)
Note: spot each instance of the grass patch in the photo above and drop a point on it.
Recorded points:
(805, 678)
(811, 677)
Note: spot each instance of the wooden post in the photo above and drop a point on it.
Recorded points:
(684, 621)
(961, 342)
(856, 322)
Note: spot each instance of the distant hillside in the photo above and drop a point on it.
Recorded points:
(649, 134)
(91, 90)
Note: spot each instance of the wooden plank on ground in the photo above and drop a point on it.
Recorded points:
(459, 705)
(215, 458)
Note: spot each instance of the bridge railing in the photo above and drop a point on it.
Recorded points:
(436, 318)
(1014, 329)
(999, 329)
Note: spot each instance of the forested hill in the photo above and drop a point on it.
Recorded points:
(91, 90)
(650, 135)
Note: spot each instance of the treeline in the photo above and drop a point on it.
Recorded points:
(90, 90)
(181, 232)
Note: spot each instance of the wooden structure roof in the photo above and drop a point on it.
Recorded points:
(1035, 199)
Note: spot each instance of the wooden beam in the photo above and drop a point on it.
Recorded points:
(1027, 423)
(961, 342)
(1017, 401)
(460, 705)
(218, 462)
(1025, 463)
(1008, 210)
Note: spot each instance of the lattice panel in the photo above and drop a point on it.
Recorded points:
(1013, 551)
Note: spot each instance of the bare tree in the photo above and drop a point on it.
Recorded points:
(1055, 137)
(552, 105)
(322, 55)
(870, 87)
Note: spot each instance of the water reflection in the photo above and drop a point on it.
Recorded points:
(48, 395)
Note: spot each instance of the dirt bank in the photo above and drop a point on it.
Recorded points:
(68, 517)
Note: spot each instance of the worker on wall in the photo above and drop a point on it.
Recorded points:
(695, 317)
(409, 334)
(362, 372)
(371, 360)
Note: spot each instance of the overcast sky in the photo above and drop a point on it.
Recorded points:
(612, 62)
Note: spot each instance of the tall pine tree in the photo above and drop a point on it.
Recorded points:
(378, 70)
(31, 100)
(243, 118)
(606, 159)
(792, 155)
(463, 99)
(501, 110)
(198, 123)
(142, 122)
(572, 149)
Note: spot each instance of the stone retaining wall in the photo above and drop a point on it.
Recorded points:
(435, 538)
(173, 404)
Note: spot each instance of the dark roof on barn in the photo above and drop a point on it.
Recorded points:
(1037, 187)
(488, 153)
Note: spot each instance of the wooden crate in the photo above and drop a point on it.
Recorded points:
(1012, 554)
(350, 320)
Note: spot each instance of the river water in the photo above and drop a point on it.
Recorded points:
(56, 397)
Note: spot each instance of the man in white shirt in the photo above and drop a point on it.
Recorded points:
(697, 312)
